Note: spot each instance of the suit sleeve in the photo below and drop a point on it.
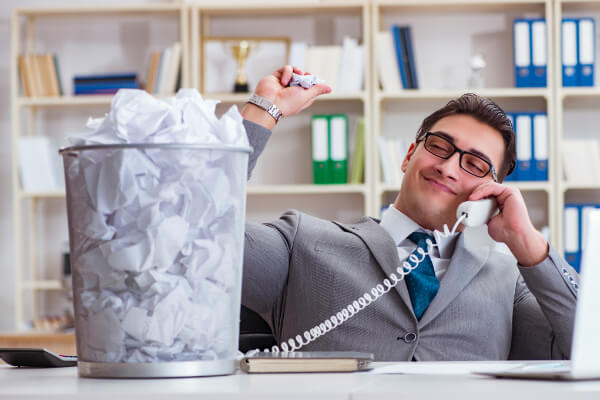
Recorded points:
(267, 248)
(544, 310)
(258, 137)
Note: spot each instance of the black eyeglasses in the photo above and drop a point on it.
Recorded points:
(474, 164)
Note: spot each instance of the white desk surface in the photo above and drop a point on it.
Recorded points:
(64, 384)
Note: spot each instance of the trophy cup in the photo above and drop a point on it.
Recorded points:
(224, 52)
(241, 50)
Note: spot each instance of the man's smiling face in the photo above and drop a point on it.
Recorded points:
(433, 187)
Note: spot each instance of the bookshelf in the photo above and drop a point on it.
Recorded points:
(477, 27)
(576, 113)
(36, 233)
(283, 177)
(291, 185)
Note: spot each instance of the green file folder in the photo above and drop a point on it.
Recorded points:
(338, 148)
(320, 149)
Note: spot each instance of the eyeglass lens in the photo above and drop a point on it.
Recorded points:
(471, 163)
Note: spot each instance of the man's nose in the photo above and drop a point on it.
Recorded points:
(449, 167)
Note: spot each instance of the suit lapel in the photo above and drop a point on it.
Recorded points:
(383, 249)
(463, 267)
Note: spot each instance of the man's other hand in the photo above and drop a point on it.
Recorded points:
(290, 100)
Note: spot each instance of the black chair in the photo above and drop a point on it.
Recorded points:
(254, 332)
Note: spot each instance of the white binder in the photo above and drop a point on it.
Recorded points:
(569, 52)
(539, 55)
(522, 53)
(587, 53)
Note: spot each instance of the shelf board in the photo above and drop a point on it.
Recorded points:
(95, 9)
(524, 186)
(385, 187)
(252, 189)
(306, 189)
(65, 101)
(267, 8)
(457, 5)
(42, 285)
(528, 186)
(55, 194)
(106, 99)
(579, 92)
(243, 97)
(435, 94)
(574, 186)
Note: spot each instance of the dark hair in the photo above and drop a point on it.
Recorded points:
(483, 110)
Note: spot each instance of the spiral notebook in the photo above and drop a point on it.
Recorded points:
(315, 361)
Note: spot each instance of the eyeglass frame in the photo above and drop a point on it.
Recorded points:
(460, 151)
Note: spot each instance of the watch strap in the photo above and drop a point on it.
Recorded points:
(266, 105)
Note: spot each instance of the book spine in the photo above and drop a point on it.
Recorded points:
(26, 78)
(410, 58)
(106, 77)
(107, 85)
(57, 72)
(400, 56)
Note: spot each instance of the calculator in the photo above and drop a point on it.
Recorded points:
(39, 358)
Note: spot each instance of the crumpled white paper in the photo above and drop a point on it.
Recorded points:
(157, 234)
(305, 81)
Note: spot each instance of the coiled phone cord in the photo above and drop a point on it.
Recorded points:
(363, 301)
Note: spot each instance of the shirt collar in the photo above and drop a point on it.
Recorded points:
(399, 226)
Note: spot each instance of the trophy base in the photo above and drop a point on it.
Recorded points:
(240, 88)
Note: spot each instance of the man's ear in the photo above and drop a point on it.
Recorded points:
(411, 150)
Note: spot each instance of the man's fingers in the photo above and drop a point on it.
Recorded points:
(319, 89)
(286, 75)
(485, 190)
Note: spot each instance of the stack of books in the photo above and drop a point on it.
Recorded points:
(39, 75)
(164, 71)
(341, 67)
(401, 74)
(104, 84)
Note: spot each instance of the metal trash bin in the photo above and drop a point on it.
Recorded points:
(156, 234)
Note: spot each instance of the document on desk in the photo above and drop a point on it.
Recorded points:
(444, 367)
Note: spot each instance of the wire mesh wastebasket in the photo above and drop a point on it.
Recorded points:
(156, 236)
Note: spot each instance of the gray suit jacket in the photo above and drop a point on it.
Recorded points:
(300, 270)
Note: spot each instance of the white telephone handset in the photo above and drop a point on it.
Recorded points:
(477, 212)
(469, 213)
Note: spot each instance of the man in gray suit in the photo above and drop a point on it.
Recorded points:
(467, 300)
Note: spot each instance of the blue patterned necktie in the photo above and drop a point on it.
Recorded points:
(422, 283)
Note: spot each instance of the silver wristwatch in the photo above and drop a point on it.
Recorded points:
(266, 105)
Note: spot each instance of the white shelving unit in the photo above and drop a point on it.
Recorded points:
(25, 112)
(213, 20)
(578, 100)
(473, 21)
(471, 26)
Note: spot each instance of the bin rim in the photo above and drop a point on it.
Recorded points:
(169, 146)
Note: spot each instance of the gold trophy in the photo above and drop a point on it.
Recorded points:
(241, 50)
